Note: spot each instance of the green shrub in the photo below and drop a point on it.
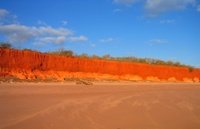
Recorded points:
(5, 45)
(62, 52)
(190, 69)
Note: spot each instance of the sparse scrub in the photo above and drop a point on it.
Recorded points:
(70, 53)
(27, 49)
(95, 57)
(84, 55)
(190, 69)
(62, 52)
(106, 57)
(5, 45)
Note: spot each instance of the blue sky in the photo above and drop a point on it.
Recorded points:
(161, 29)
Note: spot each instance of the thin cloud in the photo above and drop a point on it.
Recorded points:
(167, 21)
(157, 41)
(56, 40)
(39, 22)
(7, 17)
(3, 13)
(125, 2)
(106, 40)
(154, 8)
(19, 33)
(46, 34)
(78, 39)
(22, 33)
(65, 22)
(198, 8)
(93, 45)
(117, 10)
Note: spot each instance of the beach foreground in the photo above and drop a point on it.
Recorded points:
(100, 106)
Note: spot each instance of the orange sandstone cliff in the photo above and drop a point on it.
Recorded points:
(24, 64)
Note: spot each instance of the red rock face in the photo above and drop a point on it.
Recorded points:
(13, 61)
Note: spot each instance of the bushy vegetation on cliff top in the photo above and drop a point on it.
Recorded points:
(69, 53)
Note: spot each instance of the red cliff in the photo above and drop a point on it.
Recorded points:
(30, 65)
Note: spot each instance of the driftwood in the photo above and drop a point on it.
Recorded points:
(83, 82)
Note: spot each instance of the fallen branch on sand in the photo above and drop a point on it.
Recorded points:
(83, 82)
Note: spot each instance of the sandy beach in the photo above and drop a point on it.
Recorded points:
(100, 106)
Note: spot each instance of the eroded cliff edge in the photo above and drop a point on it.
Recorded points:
(31, 65)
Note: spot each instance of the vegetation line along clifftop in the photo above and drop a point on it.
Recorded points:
(31, 65)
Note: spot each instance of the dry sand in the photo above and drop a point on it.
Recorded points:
(102, 106)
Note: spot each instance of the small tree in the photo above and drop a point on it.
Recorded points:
(67, 53)
(84, 55)
(190, 68)
(95, 57)
(5, 45)
(107, 56)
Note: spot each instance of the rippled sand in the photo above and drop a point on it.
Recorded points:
(101, 106)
